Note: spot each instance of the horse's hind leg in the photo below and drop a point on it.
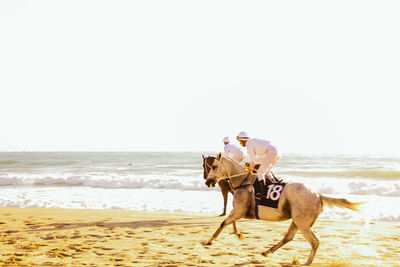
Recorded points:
(288, 237)
(313, 240)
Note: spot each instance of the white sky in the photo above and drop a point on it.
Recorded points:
(311, 76)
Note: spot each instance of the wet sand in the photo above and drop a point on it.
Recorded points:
(63, 237)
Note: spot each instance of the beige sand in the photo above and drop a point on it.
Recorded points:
(60, 237)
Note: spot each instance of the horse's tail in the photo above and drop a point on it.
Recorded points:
(340, 202)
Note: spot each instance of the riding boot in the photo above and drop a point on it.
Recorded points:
(270, 177)
(262, 194)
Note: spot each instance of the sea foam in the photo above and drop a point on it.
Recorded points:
(174, 181)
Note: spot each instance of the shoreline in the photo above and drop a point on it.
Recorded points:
(54, 237)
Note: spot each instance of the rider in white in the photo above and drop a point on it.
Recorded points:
(260, 152)
(229, 149)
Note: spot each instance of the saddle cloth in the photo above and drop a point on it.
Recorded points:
(273, 193)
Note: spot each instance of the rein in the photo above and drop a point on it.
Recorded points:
(228, 179)
(207, 165)
(236, 175)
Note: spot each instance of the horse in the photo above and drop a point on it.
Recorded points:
(297, 202)
(224, 185)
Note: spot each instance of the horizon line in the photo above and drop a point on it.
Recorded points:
(192, 151)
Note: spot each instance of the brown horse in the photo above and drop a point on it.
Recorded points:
(223, 184)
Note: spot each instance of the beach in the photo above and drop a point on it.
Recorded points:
(154, 209)
(78, 237)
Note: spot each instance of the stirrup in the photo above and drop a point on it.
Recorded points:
(259, 196)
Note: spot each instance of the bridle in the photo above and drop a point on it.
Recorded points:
(228, 178)
(207, 165)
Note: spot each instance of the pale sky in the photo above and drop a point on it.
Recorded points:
(310, 76)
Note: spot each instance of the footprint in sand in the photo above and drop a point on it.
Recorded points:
(48, 237)
(129, 234)
(57, 253)
(9, 241)
(11, 231)
(92, 235)
(60, 225)
(116, 259)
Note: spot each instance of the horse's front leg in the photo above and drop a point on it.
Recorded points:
(225, 196)
(236, 232)
(224, 190)
(232, 217)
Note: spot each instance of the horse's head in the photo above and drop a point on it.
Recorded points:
(225, 168)
(217, 171)
(207, 163)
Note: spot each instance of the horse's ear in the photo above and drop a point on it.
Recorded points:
(202, 156)
(219, 156)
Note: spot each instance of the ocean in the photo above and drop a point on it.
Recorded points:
(173, 182)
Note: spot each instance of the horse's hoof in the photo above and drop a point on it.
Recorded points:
(240, 236)
(266, 253)
(208, 243)
(295, 261)
(222, 214)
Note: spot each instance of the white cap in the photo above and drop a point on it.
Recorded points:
(242, 136)
(226, 139)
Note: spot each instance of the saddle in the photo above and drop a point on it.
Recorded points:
(272, 194)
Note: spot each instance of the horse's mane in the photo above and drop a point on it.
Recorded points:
(233, 162)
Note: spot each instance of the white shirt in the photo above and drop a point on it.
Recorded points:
(232, 149)
(257, 147)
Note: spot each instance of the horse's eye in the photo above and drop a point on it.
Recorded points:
(213, 167)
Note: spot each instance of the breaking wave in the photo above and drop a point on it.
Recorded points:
(132, 180)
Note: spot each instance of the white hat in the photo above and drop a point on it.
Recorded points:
(226, 139)
(242, 136)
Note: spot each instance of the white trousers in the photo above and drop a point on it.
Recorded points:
(238, 157)
(267, 162)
